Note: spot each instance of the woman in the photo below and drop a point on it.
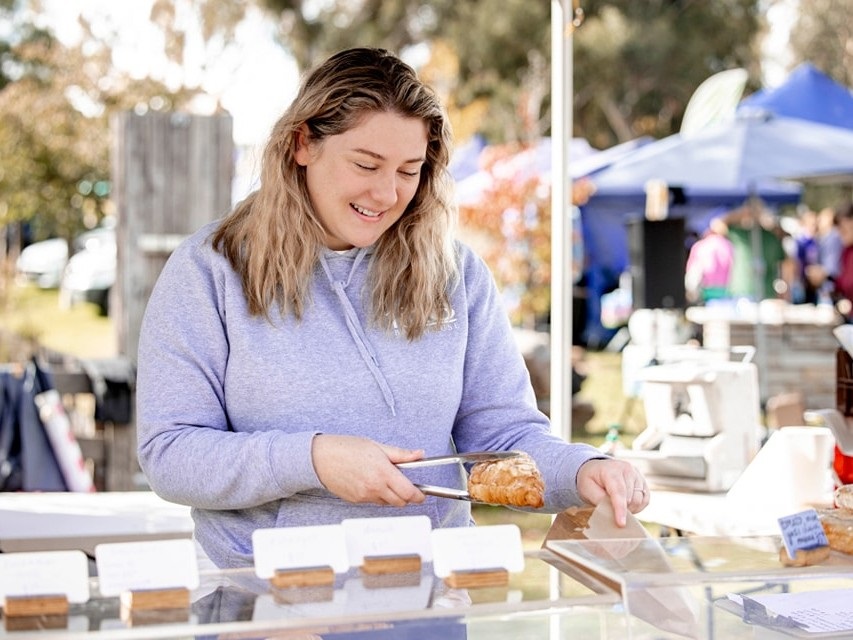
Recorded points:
(328, 328)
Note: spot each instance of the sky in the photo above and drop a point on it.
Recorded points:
(776, 52)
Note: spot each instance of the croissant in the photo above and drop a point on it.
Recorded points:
(513, 482)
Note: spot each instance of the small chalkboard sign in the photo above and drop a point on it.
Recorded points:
(802, 531)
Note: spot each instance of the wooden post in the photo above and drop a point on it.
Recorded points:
(172, 173)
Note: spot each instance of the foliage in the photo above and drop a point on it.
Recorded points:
(507, 59)
(312, 30)
(512, 225)
(823, 35)
(636, 64)
(55, 109)
(46, 146)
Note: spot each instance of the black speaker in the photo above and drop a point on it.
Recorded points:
(657, 258)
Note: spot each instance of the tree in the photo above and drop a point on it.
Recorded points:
(507, 58)
(823, 35)
(55, 106)
(511, 224)
(636, 64)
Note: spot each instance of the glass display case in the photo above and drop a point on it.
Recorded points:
(630, 588)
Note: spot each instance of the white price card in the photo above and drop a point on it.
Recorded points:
(154, 564)
(403, 535)
(802, 531)
(477, 548)
(282, 548)
(42, 573)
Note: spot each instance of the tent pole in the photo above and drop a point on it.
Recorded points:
(759, 270)
(561, 259)
(561, 230)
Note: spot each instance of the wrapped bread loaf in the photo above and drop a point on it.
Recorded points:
(838, 526)
(513, 482)
(838, 522)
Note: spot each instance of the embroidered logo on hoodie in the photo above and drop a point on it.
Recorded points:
(446, 324)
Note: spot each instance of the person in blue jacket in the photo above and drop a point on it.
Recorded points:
(330, 327)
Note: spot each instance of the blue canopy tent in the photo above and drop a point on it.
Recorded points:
(808, 94)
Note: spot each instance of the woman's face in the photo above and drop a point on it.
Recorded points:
(361, 181)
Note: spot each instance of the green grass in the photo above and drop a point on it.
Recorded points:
(35, 314)
(603, 389)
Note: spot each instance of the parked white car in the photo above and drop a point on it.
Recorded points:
(91, 271)
(42, 263)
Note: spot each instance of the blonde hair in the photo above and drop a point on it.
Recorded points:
(273, 238)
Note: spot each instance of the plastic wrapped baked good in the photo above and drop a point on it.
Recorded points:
(838, 526)
(844, 497)
(513, 482)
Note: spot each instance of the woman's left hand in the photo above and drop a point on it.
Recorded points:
(616, 480)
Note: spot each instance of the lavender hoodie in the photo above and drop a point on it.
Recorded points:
(228, 403)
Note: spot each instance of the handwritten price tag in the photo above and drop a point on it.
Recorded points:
(45, 573)
(299, 548)
(802, 531)
(388, 536)
(155, 564)
(477, 548)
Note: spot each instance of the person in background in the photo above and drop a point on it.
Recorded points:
(821, 276)
(807, 248)
(709, 264)
(843, 284)
(329, 327)
(775, 265)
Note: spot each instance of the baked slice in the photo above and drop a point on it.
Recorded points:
(514, 482)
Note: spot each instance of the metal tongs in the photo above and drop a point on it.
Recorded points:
(447, 492)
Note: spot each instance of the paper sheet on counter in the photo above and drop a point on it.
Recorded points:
(811, 611)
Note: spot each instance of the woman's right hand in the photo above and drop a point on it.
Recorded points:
(360, 470)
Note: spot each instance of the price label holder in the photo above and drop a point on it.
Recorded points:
(150, 576)
(295, 557)
(37, 587)
(387, 546)
(804, 540)
(475, 557)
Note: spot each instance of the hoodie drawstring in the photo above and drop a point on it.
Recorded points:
(355, 328)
